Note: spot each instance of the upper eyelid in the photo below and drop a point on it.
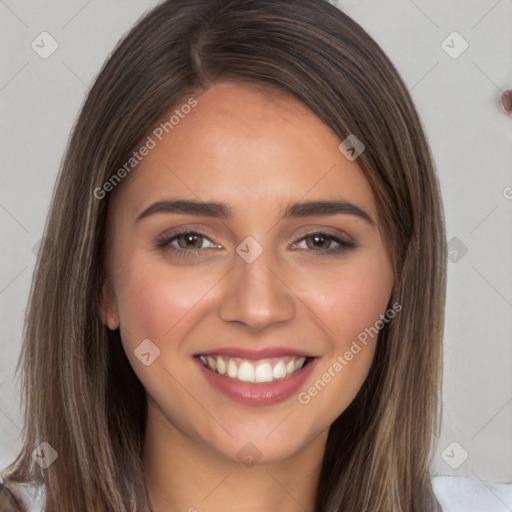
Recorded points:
(166, 238)
(207, 231)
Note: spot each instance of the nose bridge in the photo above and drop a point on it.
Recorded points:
(255, 295)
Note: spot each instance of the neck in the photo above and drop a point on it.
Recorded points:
(187, 475)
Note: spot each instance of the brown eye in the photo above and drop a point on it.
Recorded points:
(189, 241)
(184, 244)
(324, 243)
(319, 241)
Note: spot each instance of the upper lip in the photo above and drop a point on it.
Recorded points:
(263, 353)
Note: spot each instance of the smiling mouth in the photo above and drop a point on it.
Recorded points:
(256, 371)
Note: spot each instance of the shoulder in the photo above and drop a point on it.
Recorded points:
(27, 497)
(457, 494)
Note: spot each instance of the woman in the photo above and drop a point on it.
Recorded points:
(288, 358)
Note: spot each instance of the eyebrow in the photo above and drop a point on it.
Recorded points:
(220, 210)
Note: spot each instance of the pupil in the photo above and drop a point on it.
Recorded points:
(319, 240)
(190, 239)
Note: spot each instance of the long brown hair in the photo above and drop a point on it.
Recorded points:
(81, 395)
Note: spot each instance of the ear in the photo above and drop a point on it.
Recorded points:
(108, 306)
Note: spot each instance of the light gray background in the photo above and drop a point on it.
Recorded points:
(469, 134)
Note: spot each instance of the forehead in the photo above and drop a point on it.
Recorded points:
(248, 145)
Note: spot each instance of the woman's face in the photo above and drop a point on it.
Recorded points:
(242, 300)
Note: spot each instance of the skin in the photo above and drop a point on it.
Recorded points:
(257, 151)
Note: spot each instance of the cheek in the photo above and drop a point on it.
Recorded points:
(157, 301)
(353, 296)
(162, 304)
(351, 303)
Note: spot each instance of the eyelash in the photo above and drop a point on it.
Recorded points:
(163, 243)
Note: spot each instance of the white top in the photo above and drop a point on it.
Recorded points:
(30, 497)
(455, 494)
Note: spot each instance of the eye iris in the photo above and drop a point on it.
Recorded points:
(190, 241)
(320, 241)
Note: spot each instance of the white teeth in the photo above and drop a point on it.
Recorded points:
(279, 370)
(232, 369)
(248, 370)
(221, 365)
(299, 363)
(211, 362)
(263, 373)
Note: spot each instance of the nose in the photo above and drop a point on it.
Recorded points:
(256, 295)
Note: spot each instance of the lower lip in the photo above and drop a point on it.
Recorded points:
(265, 393)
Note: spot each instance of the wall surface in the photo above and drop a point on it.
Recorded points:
(456, 58)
